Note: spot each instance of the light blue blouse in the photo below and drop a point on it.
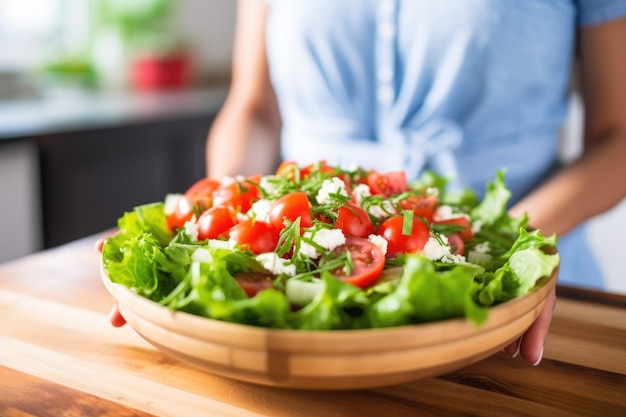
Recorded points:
(461, 87)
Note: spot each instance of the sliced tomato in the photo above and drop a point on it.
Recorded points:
(391, 230)
(287, 169)
(254, 282)
(458, 246)
(354, 221)
(461, 221)
(183, 212)
(195, 200)
(185, 209)
(216, 222)
(387, 183)
(290, 207)
(422, 205)
(239, 195)
(368, 261)
(321, 166)
(257, 236)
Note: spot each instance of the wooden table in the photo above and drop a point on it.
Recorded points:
(59, 356)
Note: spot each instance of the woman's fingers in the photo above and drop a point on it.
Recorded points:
(99, 244)
(530, 344)
(513, 348)
(531, 347)
(115, 317)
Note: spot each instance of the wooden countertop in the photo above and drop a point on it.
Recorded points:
(59, 356)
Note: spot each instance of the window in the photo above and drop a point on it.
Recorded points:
(35, 31)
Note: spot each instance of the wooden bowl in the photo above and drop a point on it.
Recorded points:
(337, 359)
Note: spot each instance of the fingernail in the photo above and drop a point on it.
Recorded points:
(540, 357)
(519, 345)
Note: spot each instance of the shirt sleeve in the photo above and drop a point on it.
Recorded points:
(592, 12)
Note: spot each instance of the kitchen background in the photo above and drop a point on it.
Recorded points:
(105, 104)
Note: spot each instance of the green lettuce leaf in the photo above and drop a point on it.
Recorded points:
(424, 295)
(338, 306)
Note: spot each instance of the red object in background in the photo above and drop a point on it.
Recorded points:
(161, 72)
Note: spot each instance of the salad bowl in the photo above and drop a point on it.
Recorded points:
(333, 359)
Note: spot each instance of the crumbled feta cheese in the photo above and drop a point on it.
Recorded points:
(275, 264)
(329, 239)
(260, 210)
(435, 251)
(379, 241)
(268, 186)
(202, 255)
(381, 211)
(361, 191)
(442, 212)
(308, 250)
(482, 247)
(171, 201)
(480, 253)
(445, 212)
(191, 228)
(331, 186)
(476, 226)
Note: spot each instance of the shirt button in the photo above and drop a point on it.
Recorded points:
(385, 94)
(384, 74)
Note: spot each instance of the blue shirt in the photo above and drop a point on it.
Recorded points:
(461, 87)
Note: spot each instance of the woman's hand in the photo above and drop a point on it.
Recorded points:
(115, 317)
(530, 344)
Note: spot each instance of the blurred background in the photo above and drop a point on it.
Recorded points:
(113, 44)
(105, 104)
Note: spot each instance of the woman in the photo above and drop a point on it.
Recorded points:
(464, 88)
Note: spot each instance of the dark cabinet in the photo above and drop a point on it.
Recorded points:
(90, 177)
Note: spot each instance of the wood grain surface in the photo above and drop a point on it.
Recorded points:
(59, 356)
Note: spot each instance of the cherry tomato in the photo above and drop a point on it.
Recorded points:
(183, 212)
(239, 195)
(216, 222)
(196, 199)
(203, 187)
(461, 221)
(290, 207)
(458, 246)
(391, 229)
(287, 169)
(387, 183)
(368, 261)
(422, 205)
(354, 221)
(254, 282)
(321, 166)
(257, 236)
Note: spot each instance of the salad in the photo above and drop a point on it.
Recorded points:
(324, 247)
